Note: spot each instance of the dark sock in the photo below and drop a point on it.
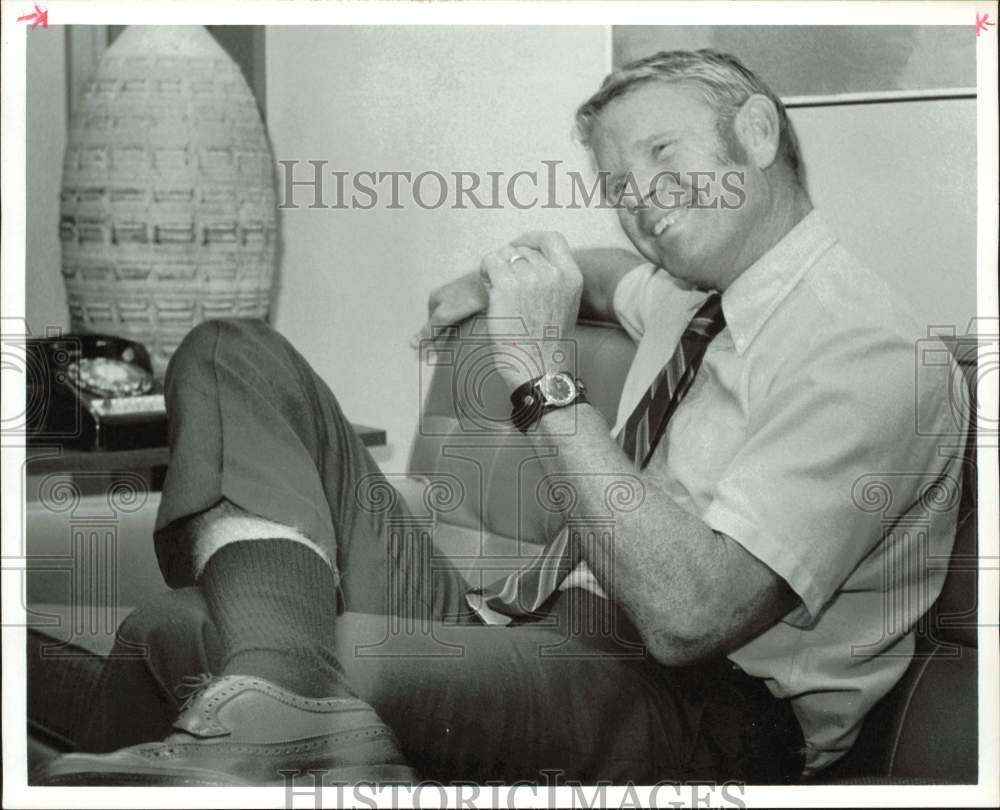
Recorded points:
(274, 602)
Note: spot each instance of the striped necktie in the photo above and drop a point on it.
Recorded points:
(524, 594)
(644, 428)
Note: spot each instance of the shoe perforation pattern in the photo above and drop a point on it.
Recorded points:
(344, 738)
(225, 688)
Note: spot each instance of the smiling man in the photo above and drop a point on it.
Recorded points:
(666, 137)
(750, 544)
(770, 610)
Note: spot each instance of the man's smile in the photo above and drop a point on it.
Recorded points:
(668, 220)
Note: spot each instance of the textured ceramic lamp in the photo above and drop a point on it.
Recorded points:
(168, 211)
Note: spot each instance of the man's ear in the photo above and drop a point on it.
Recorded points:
(758, 129)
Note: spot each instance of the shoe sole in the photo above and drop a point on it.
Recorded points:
(375, 775)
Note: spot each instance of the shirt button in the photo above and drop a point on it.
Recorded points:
(740, 343)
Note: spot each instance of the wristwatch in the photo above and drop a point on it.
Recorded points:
(533, 399)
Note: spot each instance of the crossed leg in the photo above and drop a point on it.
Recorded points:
(254, 426)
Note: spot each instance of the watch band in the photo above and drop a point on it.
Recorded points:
(528, 404)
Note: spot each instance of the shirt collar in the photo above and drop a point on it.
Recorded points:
(750, 300)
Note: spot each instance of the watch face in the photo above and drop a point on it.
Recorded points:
(558, 389)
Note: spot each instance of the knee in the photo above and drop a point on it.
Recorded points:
(202, 346)
(195, 352)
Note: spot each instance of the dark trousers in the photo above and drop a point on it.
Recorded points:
(575, 695)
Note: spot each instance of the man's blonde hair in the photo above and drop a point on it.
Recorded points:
(724, 81)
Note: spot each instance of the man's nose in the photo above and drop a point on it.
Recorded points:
(660, 193)
(636, 197)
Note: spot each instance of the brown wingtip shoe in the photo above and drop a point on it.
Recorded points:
(246, 731)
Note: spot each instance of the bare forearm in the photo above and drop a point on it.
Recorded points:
(602, 268)
(690, 591)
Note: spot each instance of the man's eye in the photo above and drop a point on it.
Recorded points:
(661, 149)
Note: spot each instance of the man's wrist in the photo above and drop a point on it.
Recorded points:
(531, 400)
(564, 424)
(515, 378)
(523, 366)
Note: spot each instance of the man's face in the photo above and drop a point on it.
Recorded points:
(660, 147)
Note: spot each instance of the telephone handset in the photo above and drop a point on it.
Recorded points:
(93, 391)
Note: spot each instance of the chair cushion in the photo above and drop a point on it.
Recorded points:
(938, 735)
(925, 728)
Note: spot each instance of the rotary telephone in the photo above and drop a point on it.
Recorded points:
(93, 391)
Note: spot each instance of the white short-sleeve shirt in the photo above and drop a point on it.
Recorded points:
(799, 439)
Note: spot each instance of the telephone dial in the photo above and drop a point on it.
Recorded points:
(93, 391)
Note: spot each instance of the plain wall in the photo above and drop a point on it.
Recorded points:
(896, 180)
(46, 126)
(354, 284)
(898, 183)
